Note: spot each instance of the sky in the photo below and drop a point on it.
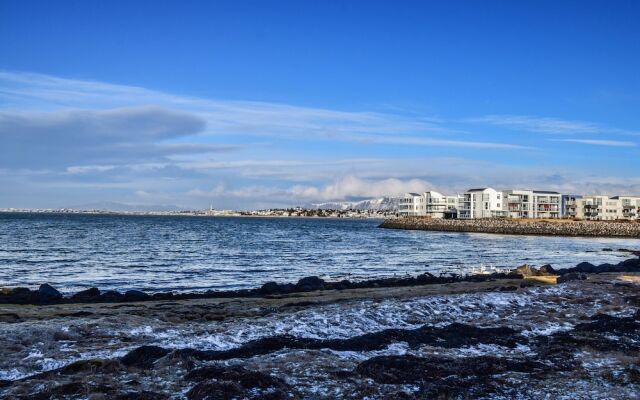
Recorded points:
(257, 104)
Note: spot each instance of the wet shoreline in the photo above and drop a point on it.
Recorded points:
(507, 336)
(47, 294)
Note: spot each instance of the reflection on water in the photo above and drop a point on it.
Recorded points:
(186, 253)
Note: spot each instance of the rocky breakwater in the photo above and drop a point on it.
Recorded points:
(629, 229)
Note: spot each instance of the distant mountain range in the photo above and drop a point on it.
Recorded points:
(122, 207)
(382, 203)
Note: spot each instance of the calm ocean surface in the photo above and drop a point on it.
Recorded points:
(195, 253)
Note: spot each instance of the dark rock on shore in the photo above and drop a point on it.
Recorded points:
(629, 265)
(547, 269)
(135, 295)
(453, 335)
(49, 295)
(442, 377)
(87, 295)
(218, 382)
(271, 288)
(144, 357)
(572, 276)
(111, 296)
(46, 291)
(143, 395)
(309, 284)
(216, 391)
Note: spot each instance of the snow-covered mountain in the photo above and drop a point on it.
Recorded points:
(382, 203)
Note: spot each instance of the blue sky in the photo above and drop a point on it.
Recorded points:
(251, 104)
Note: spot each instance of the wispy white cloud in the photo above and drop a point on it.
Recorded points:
(65, 138)
(230, 117)
(550, 125)
(350, 187)
(344, 188)
(596, 142)
(422, 141)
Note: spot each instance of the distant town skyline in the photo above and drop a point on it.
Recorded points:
(251, 105)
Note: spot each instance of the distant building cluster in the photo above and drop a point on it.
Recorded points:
(491, 203)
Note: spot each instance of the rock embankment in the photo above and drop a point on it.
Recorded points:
(519, 227)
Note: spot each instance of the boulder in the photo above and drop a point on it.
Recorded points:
(48, 292)
(17, 295)
(571, 276)
(87, 294)
(144, 356)
(270, 288)
(547, 269)
(136, 295)
(630, 264)
(310, 283)
(585, 267)
(112, 295)
(343, 284)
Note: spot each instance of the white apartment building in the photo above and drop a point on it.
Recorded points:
(605, 208)
(438, 205)
(490, 203)
(532, 204)
(411, 205)
(481, 203)
(569, 205)
(429, 204)
(629, 206)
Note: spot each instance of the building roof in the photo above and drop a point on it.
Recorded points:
(545, 192)
(412, 194)
(627, 196)
(477, 190)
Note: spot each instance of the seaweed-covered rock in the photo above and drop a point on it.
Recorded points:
(91, 294)
(144, 356)
(310, 283)
(571, 276)
(136, 295)
(271, 288)
(445, 377)
(214, 390)
(143, 395)
(111, 296)
(246, 378)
